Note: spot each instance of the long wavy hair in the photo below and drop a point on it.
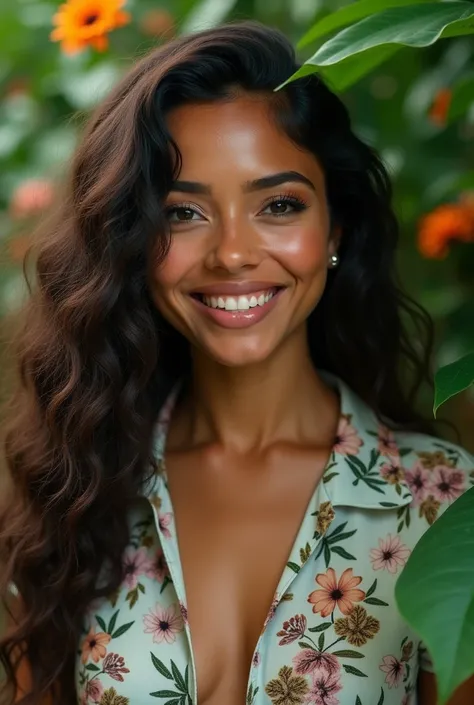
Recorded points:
(94, 356)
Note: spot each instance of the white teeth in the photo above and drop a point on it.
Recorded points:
(230, 304)
(240, 303)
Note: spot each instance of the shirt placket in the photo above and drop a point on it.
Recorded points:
(162, 506)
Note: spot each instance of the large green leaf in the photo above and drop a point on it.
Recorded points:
(344, 74)
(347, 15)
(416, 25)
(435, 594)
(452, 379)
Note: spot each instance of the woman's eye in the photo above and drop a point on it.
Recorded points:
(284, 207)
(181, 214)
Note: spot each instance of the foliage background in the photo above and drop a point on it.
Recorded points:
(45, 97)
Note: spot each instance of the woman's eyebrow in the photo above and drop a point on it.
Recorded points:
(270, 181)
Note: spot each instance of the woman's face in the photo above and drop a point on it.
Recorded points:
(250, 239)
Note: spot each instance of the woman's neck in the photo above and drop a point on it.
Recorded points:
(252, 407)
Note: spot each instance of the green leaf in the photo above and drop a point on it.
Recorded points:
(337, 530)
(347, 653)
(101, 623)
(121, 630)
(353, 671)
(328, 478)
(327, 554)
(436, 575)
(341, 537)
(382, 697)
(320, 627)
(371, 589)
(358, 701)
(160, 667)
(113, 622)
(452, 379)
(321, 641)
(388, 504)
(416, 25)
(166, 694)
(462, 98)
(375, 601)
(92, 667)
(343, 553)
(304, 645)
(294, 566)
(347, 15)
(179, 680)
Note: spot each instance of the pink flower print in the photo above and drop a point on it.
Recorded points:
(390, 554)
(165, 520)
(394, 669)
(256, 659)
(418, 481)
(392, 472)
(164, 623)
(447, 484)
(323, 689)
(93, 691)
(272, 611)
(135, 563)
(310, 661)
(387, 444)
(158, 567)
(293, 629)
(114, 666)
(184, 612)
(340, 593)
(348, 442)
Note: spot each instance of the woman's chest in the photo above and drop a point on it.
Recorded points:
(331, 635)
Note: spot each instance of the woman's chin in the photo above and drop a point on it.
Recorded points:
(236, 354)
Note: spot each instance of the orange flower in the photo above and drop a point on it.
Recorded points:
(31, 198)
(440, 107)
(451, 221)
(94, 645)
(157, 23)
(342, 593)
(82, 23)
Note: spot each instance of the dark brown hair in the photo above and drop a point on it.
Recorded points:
(94, 355)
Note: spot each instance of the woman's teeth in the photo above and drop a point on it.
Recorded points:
(238, 303)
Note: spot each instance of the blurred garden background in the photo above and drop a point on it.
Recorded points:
(406, 108)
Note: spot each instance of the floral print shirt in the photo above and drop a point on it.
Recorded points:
(333, 635)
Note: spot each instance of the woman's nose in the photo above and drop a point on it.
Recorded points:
(235, 245)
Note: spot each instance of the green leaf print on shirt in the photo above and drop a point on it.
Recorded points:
(181, 695)
(329, 544)
(366, 473)
(251, 695)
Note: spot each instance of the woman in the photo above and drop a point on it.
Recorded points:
(214, 353)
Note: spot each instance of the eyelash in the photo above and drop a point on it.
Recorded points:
(297, 203)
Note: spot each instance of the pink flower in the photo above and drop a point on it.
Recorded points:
(340, 593)
(392, 472)
(163, 623)
(271, 612)
(293, 629)
(390, 555)
(387, 444)
(310, 661)
(165, 521)
(348, 442)
(447, 483)
(184, 612)
(323, 689)
(135, 563)
(158, 567)
(256, 659)
(418, 480)
(93, 691)
(394, 669)
(114, 666)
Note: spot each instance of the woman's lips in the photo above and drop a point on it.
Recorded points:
(238, 311)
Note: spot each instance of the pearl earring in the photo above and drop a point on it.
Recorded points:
(334, 260)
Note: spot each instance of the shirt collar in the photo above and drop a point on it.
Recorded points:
(364, 470)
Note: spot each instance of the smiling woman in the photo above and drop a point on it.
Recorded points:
(214, 450)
